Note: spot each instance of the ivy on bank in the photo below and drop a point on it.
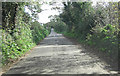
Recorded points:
(21, 35)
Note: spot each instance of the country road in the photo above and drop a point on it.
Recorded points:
(58, 55)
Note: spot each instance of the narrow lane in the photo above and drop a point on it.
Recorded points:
(57, 55)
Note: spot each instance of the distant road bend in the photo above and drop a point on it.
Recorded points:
(58, 55)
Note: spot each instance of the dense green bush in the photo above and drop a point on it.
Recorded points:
(38, 32)
(0, 48)
(105, 39)
(24, 34)
(79, 18)
(21, 41)
(105, 34)
(94, 25)
(60, 26)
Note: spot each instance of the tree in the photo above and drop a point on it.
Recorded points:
(79, 17)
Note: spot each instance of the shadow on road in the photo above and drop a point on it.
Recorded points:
(57, 55)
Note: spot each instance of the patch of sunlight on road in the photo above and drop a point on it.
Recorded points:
(54, 37)
(53, 50)
(52, 46)
(58, 55)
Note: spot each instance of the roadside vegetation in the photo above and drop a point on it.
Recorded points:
(96, 26)
(20, 30)
(91, 25)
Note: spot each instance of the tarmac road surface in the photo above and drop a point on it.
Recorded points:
(58, 55)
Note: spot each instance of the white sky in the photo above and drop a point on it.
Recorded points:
(43, 16)
(47, 11)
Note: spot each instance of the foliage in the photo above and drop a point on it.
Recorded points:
(105, 33)
(9, 13)
(80, 15)
(103, 37)
(0, 48)
(94, 25)
(20, 36)
(56, 23)
(38, 32)
(60, 27)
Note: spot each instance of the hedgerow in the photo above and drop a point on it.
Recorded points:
(93, 25)
(19, 32)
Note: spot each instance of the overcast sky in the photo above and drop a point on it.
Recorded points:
(43, 16)
(47, 11)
